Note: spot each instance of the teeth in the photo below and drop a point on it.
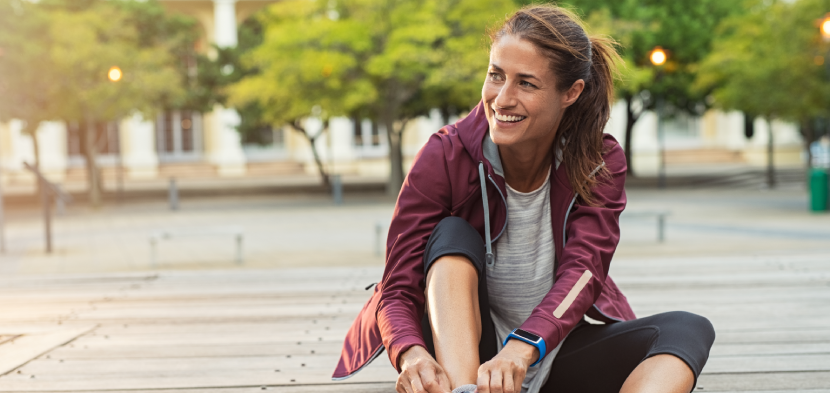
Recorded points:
(507, 118)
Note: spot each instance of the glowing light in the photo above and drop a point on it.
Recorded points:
(824, 27)
(658, 56)
(115, 74)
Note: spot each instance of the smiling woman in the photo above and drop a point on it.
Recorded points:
(503, 235)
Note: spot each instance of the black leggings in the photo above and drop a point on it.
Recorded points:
(594, 358)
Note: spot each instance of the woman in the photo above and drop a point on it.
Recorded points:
(503, 234)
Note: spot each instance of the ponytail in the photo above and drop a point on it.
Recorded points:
(559, 34)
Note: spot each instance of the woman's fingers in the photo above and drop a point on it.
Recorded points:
(417, 386)
(403, 385)
(429, 381)
(496, 379)
(483, 382)
(509, 385)
(443, 380)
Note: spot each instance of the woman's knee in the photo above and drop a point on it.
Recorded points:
(688, 325)
(452, 242)
(696, 323)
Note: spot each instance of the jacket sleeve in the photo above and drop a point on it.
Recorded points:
(424, 200)
(592, 237)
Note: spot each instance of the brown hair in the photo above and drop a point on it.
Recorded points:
(559, 34)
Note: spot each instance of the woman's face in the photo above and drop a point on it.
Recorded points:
(524, 107)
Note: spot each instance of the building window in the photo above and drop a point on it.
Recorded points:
(375, 134)
(107, 141)
(179, 135)
(369, 138)
(358, 131)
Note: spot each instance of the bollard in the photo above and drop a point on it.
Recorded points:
(378, 239)
(47, 216)
(238, 248)
(337, 189)
(173, 195)
(60, 206)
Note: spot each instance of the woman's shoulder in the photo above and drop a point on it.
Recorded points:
(442, 166)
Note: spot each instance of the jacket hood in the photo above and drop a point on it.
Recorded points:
(472, 129)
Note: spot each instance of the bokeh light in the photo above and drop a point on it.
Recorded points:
(825, 27)
(115, 74)
(658, 56)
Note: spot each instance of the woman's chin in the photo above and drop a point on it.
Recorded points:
(502, 137)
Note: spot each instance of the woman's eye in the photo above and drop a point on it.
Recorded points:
(526, 84)
(494, 76)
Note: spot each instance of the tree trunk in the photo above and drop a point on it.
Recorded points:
(31, 130)
(324, 176)
(395, 157)
(770, 151)
(808, 135)
(93, 173)
(630, 119)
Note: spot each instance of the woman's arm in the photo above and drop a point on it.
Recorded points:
(424, 200)
(593, 233)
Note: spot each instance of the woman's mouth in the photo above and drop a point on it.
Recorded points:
(508, 118)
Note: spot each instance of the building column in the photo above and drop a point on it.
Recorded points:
(341, 136)
(54, 157)
(138, 147)
(224, 146)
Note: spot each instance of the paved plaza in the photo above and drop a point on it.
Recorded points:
(99, 315)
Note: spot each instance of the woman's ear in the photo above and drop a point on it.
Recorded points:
(573, 93)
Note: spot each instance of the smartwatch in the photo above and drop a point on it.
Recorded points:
(530, 338)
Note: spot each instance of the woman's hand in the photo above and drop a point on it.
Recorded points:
(505, 372)
(420, 373)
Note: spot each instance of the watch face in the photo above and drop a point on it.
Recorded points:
(527, 335)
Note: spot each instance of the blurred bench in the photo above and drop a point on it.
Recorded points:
(660, 215)
(167, 234)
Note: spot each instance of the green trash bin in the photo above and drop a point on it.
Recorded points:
(819, 189)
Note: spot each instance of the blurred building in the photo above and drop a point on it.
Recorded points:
(187, 144)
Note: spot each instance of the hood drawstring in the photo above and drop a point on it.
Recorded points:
(488, 256)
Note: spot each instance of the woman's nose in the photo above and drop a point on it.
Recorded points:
(506, 97)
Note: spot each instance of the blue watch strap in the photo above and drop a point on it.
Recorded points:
(540, 345)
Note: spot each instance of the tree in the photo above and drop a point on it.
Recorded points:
(771, 62)
(685, 28)
(305, 68)
(390, 61)
(57, 55)
(87, 42)
(27, 88)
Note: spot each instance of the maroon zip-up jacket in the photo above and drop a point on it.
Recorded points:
(444, 181)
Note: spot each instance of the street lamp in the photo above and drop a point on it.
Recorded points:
(824, 27)
(114, 74)
(658, 58)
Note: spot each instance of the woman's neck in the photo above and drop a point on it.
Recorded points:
(525, 171)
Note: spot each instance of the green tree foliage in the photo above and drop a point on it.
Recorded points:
(65, 50)
(386, 60)
(684, 28)
(771, 62)
(27, 92)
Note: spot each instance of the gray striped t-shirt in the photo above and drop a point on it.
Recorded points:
(523, 270)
